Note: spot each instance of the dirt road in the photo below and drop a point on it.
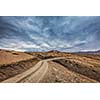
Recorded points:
(34, 74)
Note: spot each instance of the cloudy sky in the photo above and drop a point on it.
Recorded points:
(39, 33)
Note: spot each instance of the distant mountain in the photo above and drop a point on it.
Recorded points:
(90, 52)
(54, 51)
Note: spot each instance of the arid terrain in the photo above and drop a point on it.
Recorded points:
(49, 67)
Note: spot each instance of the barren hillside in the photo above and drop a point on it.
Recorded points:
(7, 57)
(49, 67)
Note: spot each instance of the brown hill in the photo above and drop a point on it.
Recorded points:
(72, 67)
(86, 65)
(7, 57)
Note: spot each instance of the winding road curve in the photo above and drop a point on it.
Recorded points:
(34, 74)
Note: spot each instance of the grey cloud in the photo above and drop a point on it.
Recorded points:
(41, 33)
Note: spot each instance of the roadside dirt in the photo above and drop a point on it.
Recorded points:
(82, 67)
(59, 74)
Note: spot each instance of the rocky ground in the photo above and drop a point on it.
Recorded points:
(59, 74)
(74, 68)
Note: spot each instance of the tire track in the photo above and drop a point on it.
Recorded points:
(30, 74)
(19, 77)
(34, 74)
(38, 75)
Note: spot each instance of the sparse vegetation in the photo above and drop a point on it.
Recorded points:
(14, 53)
